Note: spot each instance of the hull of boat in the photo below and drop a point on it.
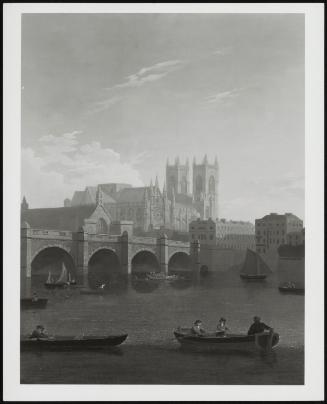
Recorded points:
(228, 343)
(296, 291)
(28, 303)
(253, 277)
(70, 343)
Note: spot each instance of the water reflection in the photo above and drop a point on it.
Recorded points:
(144, 285)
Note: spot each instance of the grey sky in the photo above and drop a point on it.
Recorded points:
(109, 97)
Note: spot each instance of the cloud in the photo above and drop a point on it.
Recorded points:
(150, 73)
(63, 165)
(222, 96)
(136, 80)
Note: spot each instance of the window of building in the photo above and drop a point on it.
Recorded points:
(277, 241)
(211, 237)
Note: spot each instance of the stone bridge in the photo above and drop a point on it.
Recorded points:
(80, 248)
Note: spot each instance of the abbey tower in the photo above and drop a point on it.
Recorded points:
(204, 195)
(205, 188)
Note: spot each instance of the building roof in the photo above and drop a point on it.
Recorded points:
(276, 216)
(65, 218)
(131, 195)
(78, 198)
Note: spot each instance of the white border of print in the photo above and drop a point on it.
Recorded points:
(314, 214)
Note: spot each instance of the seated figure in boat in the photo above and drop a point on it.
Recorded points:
(258, 327)
(221, 328)
(197, 328)
(39, 332)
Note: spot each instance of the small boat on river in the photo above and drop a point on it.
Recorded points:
(254, 268)
(63, 281)
(72, 343)
(33, 303)
(226, 343)
(158, 276)
(290, 287)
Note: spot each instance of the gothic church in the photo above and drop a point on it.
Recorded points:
(173, 207)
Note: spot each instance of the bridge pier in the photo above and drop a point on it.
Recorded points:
(195, 257)
(25, 259)
(163, 254)
(124, 255)
(82, 257)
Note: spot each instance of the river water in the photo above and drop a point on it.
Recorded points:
(149, 315)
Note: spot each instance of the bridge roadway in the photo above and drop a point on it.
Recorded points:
(81, 247)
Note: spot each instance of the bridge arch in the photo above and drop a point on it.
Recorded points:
(51, 258)
(104, 267)
(144, 261)
(179, 262)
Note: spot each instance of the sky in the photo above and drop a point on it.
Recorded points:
(109, 97)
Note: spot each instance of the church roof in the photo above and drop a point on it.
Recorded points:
(78, 198)
(131, 195)
(88, 196)
(66, 218)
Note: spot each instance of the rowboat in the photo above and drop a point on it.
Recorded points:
(71, 343)
(29, 303)
(229, 342)
(254, 268)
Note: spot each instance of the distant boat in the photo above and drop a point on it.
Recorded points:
(291, 264)
(158, 276)
(61, 282)
(254, 268)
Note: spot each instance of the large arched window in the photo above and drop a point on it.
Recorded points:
(212, 185)
(102, 227)
(198, 184)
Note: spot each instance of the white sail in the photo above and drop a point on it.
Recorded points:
(63, 276)
(49, 280)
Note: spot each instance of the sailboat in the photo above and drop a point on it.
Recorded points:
(254, 268)
(61, 282)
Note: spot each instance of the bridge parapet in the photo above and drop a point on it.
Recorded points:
(103, 237)
(51, 234)
(143, 240)
(175, 243)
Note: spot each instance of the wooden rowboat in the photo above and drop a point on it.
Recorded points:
(230, 342)
(29, 303)
(72, 343)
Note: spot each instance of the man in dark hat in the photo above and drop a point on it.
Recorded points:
(258, 327)
(197, 328)
(221, 327)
